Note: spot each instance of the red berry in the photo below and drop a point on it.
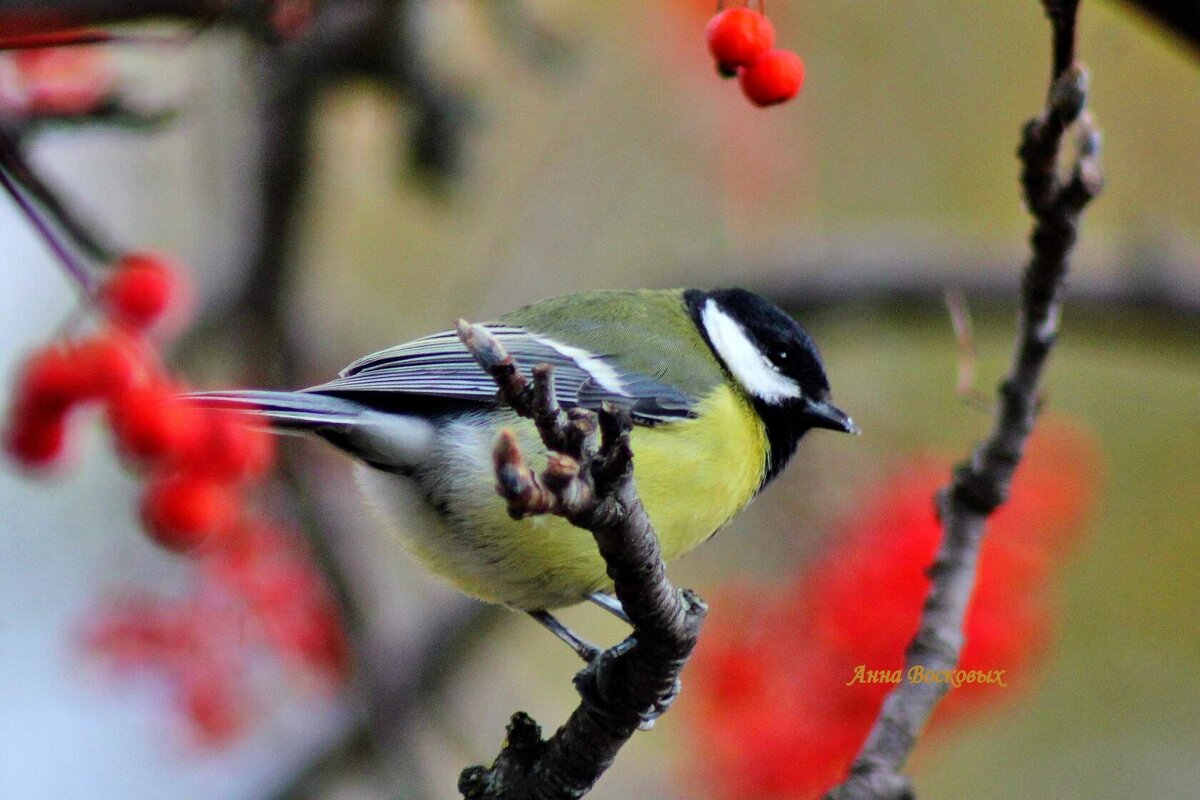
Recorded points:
(36, 441)
(141, 288)
(63, 81)
(774, 78)
(153, 424)
(210, 702)
(108, 365)
(738, 37)
(230, 448)
(181, 512)
(50, 381)
(312, 634)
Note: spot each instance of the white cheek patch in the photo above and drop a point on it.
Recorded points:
(601, 371)
(751, 368)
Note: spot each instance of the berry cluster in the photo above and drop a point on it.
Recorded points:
(255, 584)
(742, 40)
(260, 593)
(195, 459)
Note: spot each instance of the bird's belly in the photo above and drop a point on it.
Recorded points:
(452, 520)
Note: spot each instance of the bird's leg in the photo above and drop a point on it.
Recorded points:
(592, 682)
(584, 649)
(610, 604)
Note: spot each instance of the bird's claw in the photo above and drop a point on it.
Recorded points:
(651, 714)
(594, 683)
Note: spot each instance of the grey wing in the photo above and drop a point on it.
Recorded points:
(439, 366)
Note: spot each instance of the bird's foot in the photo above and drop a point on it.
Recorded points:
(595, 681)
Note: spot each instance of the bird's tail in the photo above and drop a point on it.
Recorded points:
(386, 440)
(300, 411)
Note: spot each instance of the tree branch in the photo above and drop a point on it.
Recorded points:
(589, 483)
(981, 485)
(20, 17)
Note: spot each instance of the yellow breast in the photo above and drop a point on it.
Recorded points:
(693, 476)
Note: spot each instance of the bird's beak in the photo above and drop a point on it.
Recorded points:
(826, 415)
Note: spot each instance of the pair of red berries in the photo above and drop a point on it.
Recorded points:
(742, 41)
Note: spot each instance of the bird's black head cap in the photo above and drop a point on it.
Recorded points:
(775, 362)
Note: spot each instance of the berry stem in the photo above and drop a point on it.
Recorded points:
(92, 244)
(74, 268)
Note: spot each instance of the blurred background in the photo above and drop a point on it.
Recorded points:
(327, 209)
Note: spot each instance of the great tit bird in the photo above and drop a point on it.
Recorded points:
(721, 385)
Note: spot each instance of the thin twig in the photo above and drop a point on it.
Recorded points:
(59, 15)
(78, 272)
(981, 484)
(85, 237)
(968, 358)
(590, 484)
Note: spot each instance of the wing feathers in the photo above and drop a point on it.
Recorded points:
(440, 366)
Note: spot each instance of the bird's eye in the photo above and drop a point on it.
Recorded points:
(782, 355)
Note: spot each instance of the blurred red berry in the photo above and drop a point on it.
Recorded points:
(108, 365)
(291, 18)
(142, 287)
(776, 77)
(50, 380)
(153, 425)
(182, 512)
(312, 634)
(140, 629)
(739, 37)
(59, 81)
(49, 383)
(257, 588)
(36, 441)
(268, 567)
(211, 704)
(323, 644)
(230, 447)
